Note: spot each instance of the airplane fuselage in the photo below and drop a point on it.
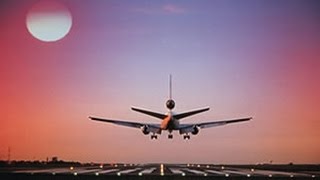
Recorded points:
(169, 123)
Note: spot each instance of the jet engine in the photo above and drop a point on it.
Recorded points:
(145, 130)
(170, 104)
(195, 130)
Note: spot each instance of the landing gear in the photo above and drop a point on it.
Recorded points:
(170, 136)
(153, 136)
(186, 136)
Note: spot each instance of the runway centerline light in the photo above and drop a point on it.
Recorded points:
(140, 174)
(75, 173)
(183, 174)
(270, 175)
(161, 169)
(71, 168)
(97, 174)
(119, 174)
(227, 175)
(248, 175)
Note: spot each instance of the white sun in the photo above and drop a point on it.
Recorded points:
(49, 21)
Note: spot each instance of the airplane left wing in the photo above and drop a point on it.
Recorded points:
(155, 128)
(220, 123)
(192, 128)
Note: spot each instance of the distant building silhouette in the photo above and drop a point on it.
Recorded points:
(54, 159)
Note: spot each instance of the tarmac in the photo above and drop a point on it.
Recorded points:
(162, 171)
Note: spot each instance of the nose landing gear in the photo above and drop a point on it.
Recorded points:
(153, 136)
(170, 136)
(186, 136)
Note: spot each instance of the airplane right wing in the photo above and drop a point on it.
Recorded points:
(220, 123)
(194, 128)
(146, 128)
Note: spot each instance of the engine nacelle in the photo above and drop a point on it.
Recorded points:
(145, 130)
(195, 130)
(170, 104)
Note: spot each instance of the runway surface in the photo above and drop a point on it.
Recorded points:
(170, 170)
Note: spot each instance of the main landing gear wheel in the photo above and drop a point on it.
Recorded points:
(154, 136)
(170, 136)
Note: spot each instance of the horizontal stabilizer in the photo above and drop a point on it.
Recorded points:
(190, 113)
(150, 113)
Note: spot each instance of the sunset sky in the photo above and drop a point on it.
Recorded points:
(241, 58)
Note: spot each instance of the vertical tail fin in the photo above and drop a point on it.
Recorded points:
(170, 86)
(170, 103)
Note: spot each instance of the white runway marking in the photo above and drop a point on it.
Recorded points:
(280, 173)
(128, 171)
(87, 171)
(33, 171)
(108, 171)
(147, 171)
(237, 172)
(216, 172)
(247, 172)
(176, 171)
(61, 170)
(195, 171)
(312, 172)
(53, 170)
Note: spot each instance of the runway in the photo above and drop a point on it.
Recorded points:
(173, 170)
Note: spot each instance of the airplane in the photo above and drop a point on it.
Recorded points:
(170, 120)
